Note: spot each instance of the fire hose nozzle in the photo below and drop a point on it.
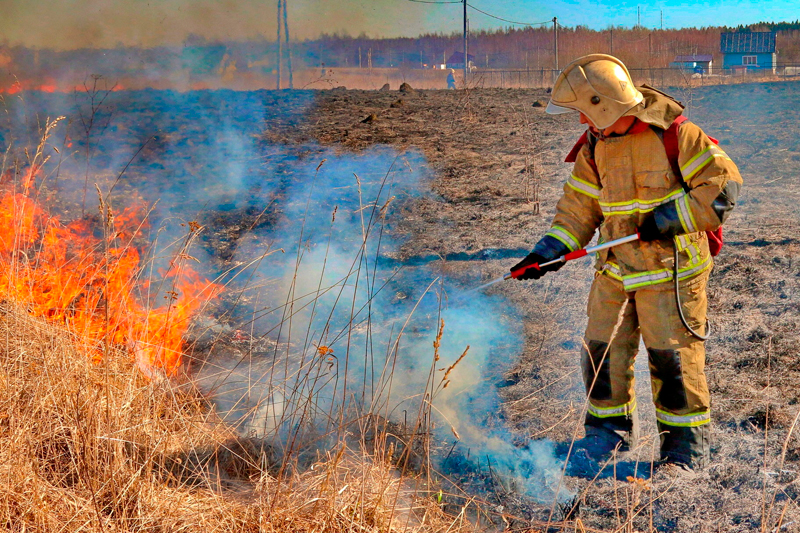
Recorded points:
(583, 252)
(517, 273)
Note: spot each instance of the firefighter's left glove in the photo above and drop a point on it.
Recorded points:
(648, 229)
(533, 272)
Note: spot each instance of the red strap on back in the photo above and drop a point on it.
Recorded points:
(638, 127)
(572, 156)
(715, 239)
(670, 139)
(671, 145)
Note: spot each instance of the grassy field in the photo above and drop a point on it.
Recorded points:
(90, 442)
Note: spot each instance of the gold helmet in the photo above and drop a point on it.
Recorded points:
(597, 85)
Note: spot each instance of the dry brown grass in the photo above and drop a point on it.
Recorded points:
(86, 447)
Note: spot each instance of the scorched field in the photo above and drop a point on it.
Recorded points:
(312, 353)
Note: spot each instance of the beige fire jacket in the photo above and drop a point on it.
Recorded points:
(617, 181)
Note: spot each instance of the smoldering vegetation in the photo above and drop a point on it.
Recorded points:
(329, 346)
(489, 149)
(341, 256)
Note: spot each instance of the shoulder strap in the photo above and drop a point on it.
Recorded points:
(586, 138)
(572, 156)
(670, 139)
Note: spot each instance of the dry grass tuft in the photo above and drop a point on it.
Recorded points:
(86, 447)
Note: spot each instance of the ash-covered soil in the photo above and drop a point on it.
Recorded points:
(497, 174)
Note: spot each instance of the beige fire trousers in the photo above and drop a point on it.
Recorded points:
(617, 320)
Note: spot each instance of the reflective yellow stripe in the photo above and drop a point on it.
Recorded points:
(693, 270)
(584, 187)
(644, 279)
(638, 206)
(687, 421)
(607, 412)
(653, 277)
(695, 164)
(691, 214)
(613, 270)
(569, 240)
(690, 248)
(685, 214)
(694, 254)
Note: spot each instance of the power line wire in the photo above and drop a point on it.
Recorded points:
(506, 20)
(481, 11)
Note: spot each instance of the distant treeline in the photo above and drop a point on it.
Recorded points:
(533, 47)
(528, 48)
(767, 26)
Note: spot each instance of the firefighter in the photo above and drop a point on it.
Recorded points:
(623, 182)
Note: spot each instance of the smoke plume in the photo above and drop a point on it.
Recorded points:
(321, 325)
(69, 25)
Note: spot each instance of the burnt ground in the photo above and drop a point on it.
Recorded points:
(497, 174)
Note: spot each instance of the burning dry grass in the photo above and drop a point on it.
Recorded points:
(90, 442)
(86, 274)
(87, 447)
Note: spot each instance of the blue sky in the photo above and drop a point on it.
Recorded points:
(65, 24)
(600, 14)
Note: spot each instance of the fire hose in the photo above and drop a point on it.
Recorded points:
(680, 306)
(515, 274)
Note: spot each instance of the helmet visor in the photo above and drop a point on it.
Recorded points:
(553, 109)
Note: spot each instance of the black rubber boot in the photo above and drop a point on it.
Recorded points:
(621, 432)
(586, 456)
(687, 446)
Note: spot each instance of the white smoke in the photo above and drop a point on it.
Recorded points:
(341, 328)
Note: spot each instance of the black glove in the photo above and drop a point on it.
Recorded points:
(648, 230)
(535, 273)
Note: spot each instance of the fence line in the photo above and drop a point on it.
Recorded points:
(656, 76)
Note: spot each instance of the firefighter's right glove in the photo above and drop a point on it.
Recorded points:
(533, 272)
(648, 230)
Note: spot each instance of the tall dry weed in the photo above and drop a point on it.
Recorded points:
(87, 447)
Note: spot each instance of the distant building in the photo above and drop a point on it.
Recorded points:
(456, 61)
(748, 50)
(700, 64)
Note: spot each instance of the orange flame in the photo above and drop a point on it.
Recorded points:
(68, 274)
(49, 85)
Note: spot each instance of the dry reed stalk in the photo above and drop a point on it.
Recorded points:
(88, 447)
(579, 424)
(173, 465)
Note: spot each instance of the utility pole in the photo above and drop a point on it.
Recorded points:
(555, 41)
(638, 17)
(466, 46)
(280, 46)
(288, 45)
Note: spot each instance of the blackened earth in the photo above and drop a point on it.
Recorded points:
(495, 171)
(498, 172)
